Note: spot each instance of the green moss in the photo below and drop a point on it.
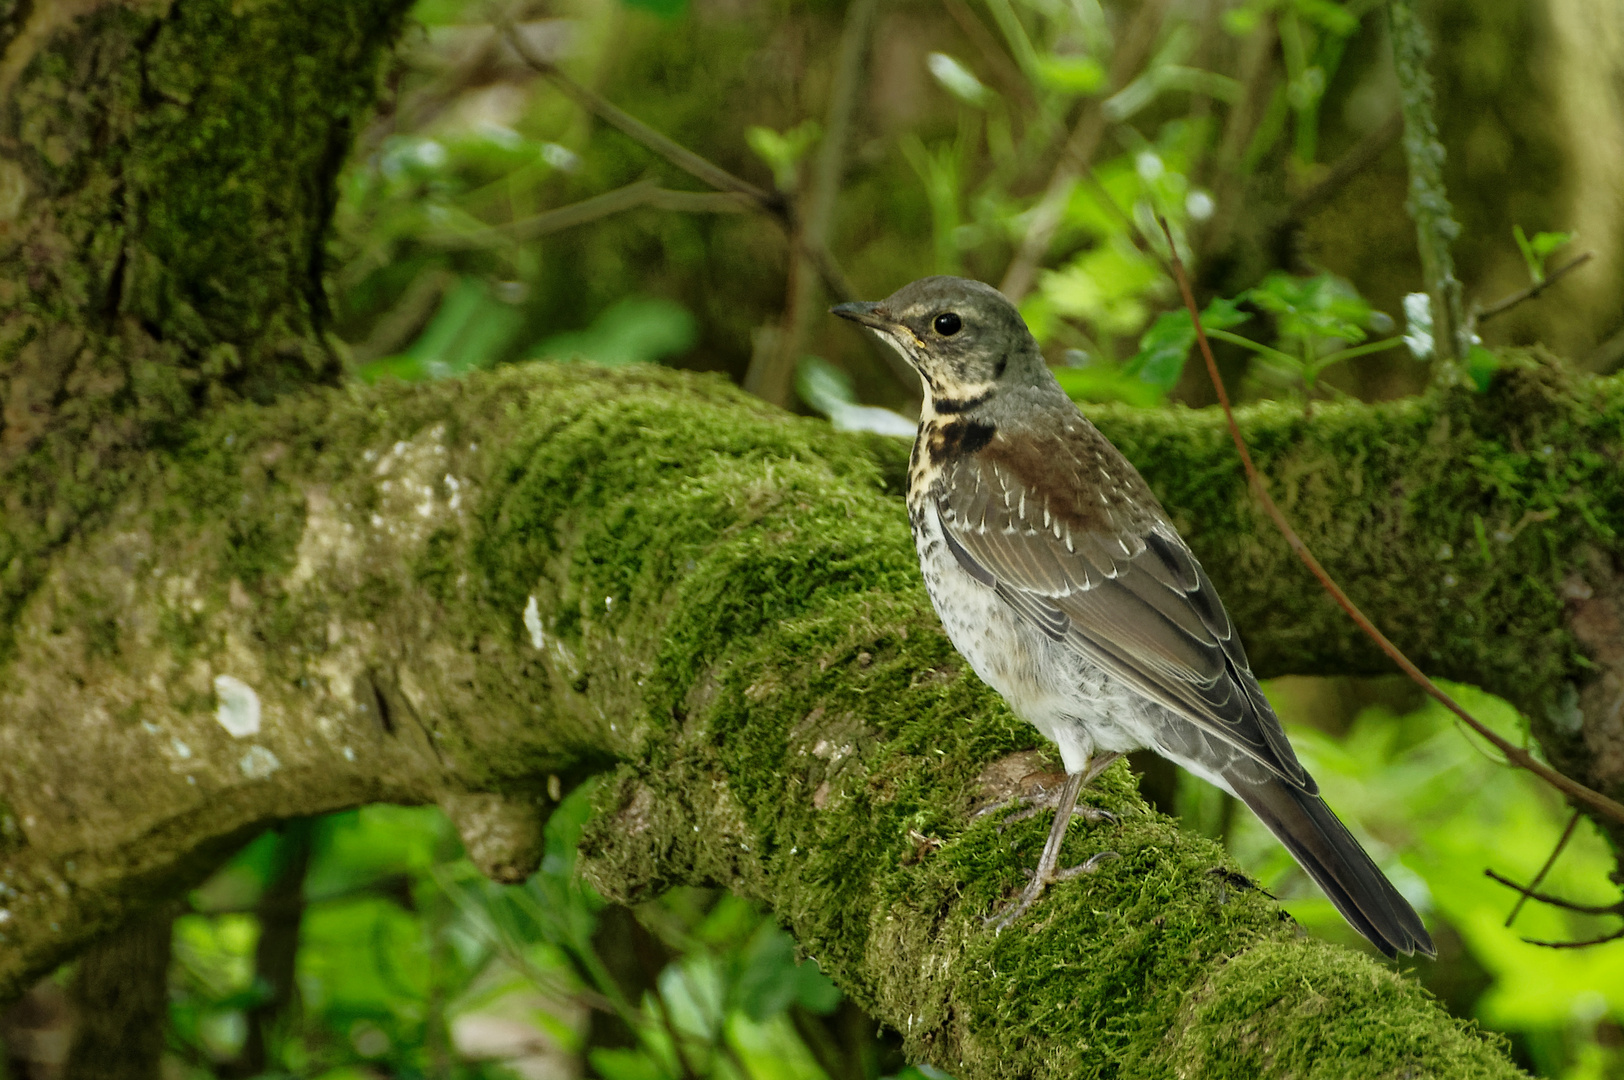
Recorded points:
(809, 738)
(1451, 519)
(180, 173)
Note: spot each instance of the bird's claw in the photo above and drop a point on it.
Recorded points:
(1031, 806)
(1001, 921)
(1088, 867)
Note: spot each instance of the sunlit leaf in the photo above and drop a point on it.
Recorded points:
(1107, 384)
(1164, 348)
(1540, 248)
(1108, 286)
(1077, 75)
(637, 330)
(612, 1063)
(1314, 310)
(958, 80)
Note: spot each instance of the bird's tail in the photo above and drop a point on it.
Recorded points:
(1333, 858)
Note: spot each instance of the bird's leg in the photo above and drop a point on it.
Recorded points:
(1050, 858)
(1025, 806)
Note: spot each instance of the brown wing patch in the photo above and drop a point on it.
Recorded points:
(1083, 481)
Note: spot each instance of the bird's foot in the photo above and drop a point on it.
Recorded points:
(1047, 800)
(1002, 920)
(1021, 807)
(1048, 863)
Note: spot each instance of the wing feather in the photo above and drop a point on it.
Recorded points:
(1114, 582)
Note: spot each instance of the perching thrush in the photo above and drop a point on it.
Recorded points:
(1058, 576)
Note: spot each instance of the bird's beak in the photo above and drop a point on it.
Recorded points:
(864, 311)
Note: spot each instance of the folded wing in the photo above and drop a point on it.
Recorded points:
(1110, 579)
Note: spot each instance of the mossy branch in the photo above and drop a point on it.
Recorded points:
(462, 589)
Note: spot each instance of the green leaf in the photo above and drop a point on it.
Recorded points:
(772, 980)
(471, 329)
(1313, 311)
(1540, 248)
(637, 330)
(783, 151)
(1330, 17)
(1107, 285)
(1106, 384)
(1481, 365)
(959, 80)
(615, 1064)
(1076, 75)
(1164, 348)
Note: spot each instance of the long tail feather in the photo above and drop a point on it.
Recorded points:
(1333, 858)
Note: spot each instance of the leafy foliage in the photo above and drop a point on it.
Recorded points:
(411, 962)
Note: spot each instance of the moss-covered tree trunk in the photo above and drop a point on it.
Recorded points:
(238, 591)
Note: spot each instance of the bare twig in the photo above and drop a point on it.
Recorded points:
(1516, 755)
(1505, 304)
(774, 204)
(1132, 51)
(1557, 901)
(621, 199)
(1587, 943)
(1528, 893)
(1364, 154)
(772, 375)
(674, 152)
(1562, 842)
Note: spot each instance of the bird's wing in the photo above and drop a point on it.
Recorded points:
(1069, 535)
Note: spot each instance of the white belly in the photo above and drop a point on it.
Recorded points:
(1054, 688)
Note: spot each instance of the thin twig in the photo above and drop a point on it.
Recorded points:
(1365, 153)
(1507, 303)
(774, 204)
(1584, 944)
(630, 197)
(1556, 901)
(1529, 893)
(771, 375)
(1523, 894)
(674, 152)
(1516, 755)
(1132, 52)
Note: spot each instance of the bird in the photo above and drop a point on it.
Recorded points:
(1059, 577)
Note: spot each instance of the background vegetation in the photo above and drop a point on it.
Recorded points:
(489, 215)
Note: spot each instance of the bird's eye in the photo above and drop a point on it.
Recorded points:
(948, 323)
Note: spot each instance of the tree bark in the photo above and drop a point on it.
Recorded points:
(120, 997)
(238, 592)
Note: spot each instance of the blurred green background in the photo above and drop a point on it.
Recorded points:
(488, 217)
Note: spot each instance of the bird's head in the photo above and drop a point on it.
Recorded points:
(964, 338)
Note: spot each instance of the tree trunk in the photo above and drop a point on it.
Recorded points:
(236, 593)
(120, 1000)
